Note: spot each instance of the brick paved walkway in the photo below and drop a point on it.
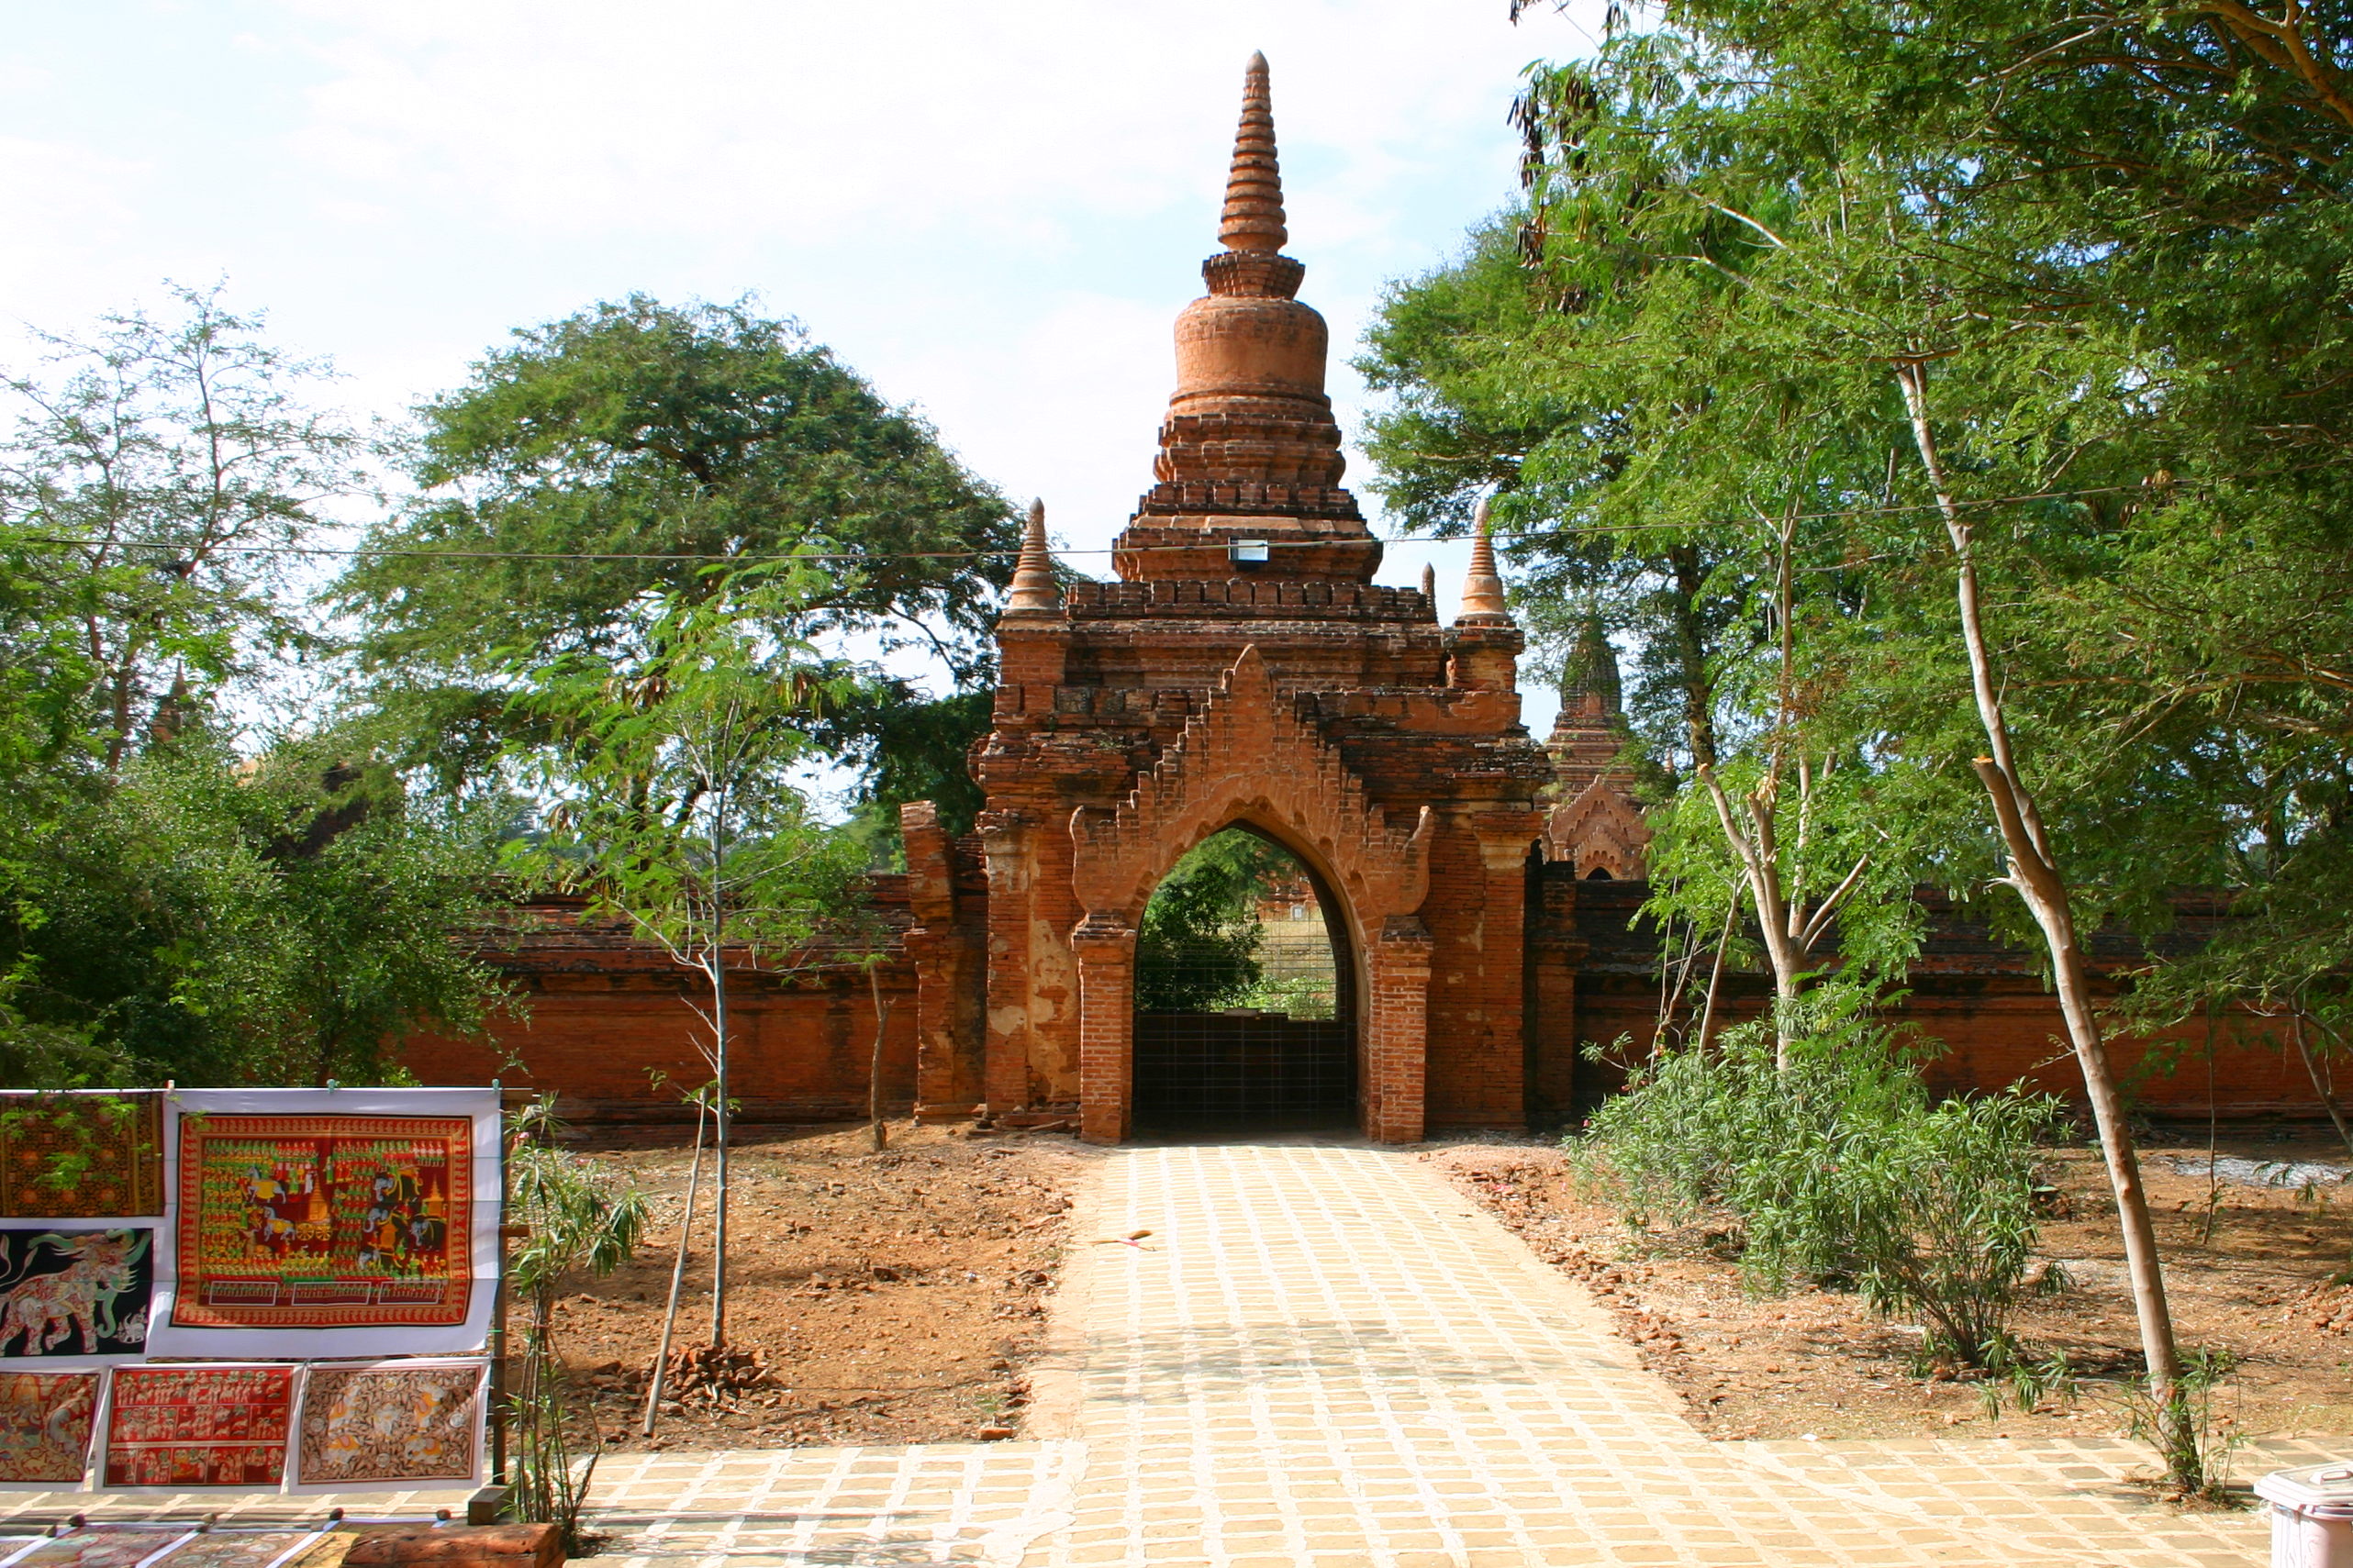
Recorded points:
(1325, 1356)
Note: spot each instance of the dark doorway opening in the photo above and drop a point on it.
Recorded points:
(1246, 1002)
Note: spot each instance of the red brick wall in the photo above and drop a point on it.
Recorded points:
(798, 1055)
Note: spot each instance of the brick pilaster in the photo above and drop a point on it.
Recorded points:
(1397, 1027)
(1105, 951)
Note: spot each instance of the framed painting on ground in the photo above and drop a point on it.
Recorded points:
(105, 1546)
(330, 1223)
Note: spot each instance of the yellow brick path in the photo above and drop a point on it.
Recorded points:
(1324, 1357)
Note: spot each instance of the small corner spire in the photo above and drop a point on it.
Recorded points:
(1589, 687)
(1034, 593)
(1482, 585)
(1254, 189)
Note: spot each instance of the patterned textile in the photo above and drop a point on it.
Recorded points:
(245, 1549)
(80, 1156)
(100, 1547)
(324, 1221)
(45, 1420)
(75, 1292)
(390, 1422)
(198, 1426)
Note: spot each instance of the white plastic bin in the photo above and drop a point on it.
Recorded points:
(2312, 1516)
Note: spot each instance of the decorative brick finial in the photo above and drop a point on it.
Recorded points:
(1034, 587)
(1482, 585)
(1254, 190)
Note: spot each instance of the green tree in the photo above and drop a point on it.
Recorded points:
(217, 919)
(591, 473)
(2031, 318)
(152, 470)
(672, 796)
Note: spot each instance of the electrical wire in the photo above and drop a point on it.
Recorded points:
(1526, 534)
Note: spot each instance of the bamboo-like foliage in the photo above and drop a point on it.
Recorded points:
(577, 1219)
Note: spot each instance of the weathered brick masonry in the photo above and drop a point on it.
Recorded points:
(1244, 671)
(613, 1028)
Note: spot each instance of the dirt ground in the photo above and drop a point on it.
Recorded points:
(1817, 1362)
(883, 1298)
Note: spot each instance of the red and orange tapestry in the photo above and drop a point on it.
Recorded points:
(198, 1426)
(408, 1424)
(80, 1156)
(324, 1221)
(45, 1420)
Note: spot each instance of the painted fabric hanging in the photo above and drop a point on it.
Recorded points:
(324, 1221)
(80, 1156)
(198, 1426)
(329, 1222)
(45, 1421)
(75, 1290)
(394, 1423)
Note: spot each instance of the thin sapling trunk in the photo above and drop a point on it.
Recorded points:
(723, 1116)
(677, 1273)
(2035, 875)
(874, 1071)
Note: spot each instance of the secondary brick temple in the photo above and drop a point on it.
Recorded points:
(1242, 672)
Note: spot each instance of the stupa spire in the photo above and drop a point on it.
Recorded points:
(1252, 219)
(1483, 584)
(1247, 481)
(1034, 593)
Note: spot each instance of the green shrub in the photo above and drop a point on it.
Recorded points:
(1840, 1169)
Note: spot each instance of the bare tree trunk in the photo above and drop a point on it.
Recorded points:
(677, 1274)
(874, 1072)
(2035, 875)
(2311, 1070)
(1715, 974)
(722, 1116)
(1759, 856)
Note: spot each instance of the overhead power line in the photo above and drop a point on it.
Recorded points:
(1603, 531)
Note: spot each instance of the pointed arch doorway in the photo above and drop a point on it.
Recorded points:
(1245, 995)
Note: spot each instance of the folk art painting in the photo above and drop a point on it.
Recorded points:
(74, 1292)
(80, 1156)
(101, 1548)
(249, 1549)
(218, 1425)
(324, 1221)
(102, 1545)
(45, 1423)
(404, 1423)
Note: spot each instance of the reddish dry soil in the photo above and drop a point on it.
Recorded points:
(1818, 1362)
(880, 1298)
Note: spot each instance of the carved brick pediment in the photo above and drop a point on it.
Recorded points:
(1600, 829)
(1247, 757)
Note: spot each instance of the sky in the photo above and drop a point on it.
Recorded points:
(992, 211)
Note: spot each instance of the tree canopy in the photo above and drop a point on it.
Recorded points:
(632, 454)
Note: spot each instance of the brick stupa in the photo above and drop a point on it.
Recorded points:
(1249, 454)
